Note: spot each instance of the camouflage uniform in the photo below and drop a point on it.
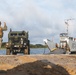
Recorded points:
(1, 32)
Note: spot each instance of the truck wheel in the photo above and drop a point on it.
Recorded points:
(26, 50)
(28, 47)
(7, 51)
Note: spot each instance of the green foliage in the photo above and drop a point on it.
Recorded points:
(31, 45)
(37, 46)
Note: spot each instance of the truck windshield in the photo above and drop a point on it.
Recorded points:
(21, 34)
(13, 34)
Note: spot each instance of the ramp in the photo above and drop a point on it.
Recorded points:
(51, 45)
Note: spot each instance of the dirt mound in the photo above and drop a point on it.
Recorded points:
(38, 65)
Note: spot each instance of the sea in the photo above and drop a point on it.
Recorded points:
(32, 51)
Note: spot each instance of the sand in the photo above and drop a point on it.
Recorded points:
(61, 64)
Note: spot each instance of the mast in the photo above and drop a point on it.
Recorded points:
(67, 24)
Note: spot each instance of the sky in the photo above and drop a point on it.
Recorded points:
(43, 19)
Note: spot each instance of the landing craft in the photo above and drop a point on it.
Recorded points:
(67, 43)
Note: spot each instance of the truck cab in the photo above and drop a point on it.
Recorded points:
(18, 42)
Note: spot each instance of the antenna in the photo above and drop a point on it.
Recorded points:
(66, 22)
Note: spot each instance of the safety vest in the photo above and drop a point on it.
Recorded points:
(1, 32)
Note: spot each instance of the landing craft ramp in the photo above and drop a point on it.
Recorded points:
(71, 45)
(51, 45)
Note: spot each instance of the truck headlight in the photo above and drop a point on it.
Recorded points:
(24, 43)
(7, 44)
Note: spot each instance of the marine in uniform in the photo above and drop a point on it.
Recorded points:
(1, 32)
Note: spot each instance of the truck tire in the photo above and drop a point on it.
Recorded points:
(7, 51)
(28, 47)
(26, 50)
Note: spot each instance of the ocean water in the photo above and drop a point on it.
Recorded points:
(32, 51)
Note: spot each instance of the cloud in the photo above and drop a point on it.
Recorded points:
(42, 18)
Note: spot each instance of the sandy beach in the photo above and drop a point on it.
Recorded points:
(38, 64)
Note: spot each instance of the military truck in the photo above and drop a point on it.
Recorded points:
(17, 43)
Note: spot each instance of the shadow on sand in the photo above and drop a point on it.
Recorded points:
(40, 67)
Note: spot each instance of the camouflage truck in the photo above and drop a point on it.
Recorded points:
(17, 43)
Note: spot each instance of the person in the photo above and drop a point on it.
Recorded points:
(1, 32)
